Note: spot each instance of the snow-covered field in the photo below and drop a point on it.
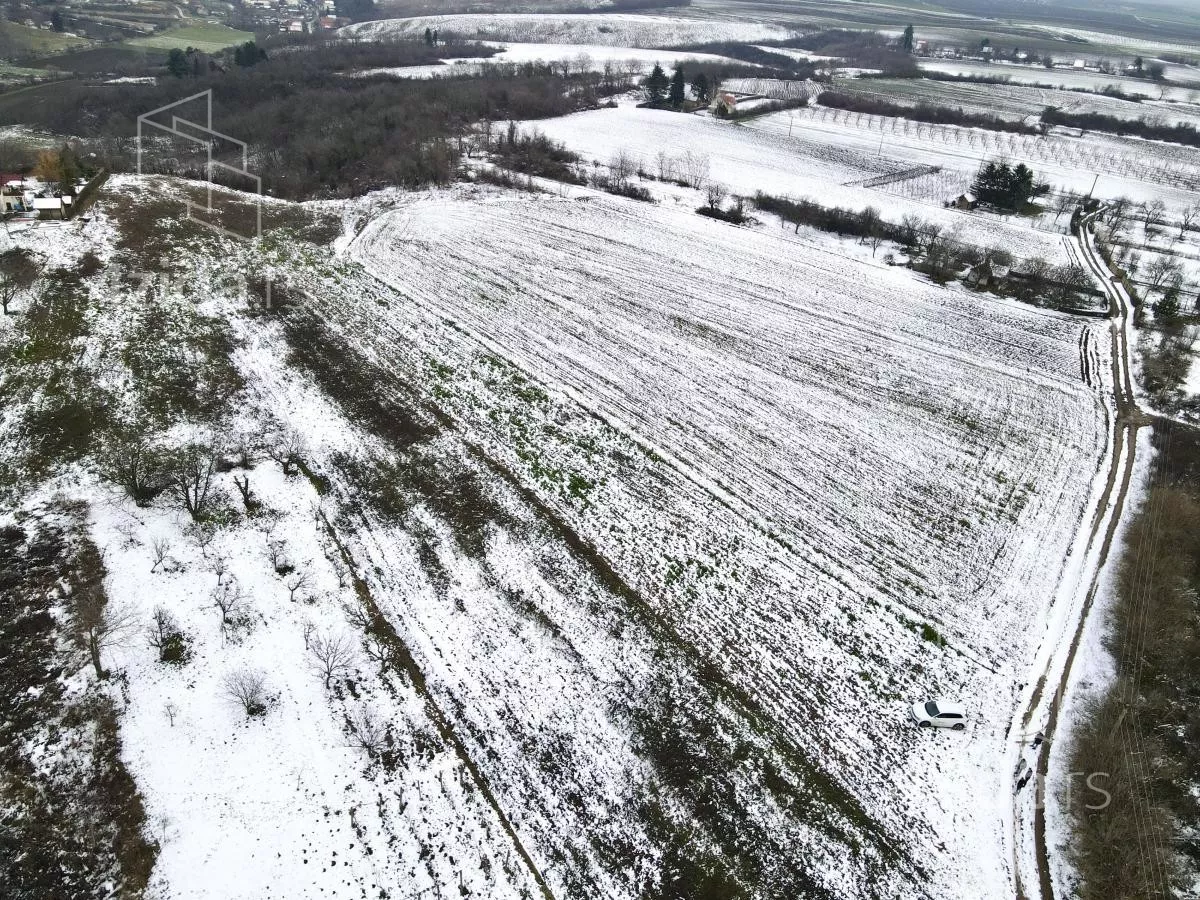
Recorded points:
(748, 369)
(1126, 166)
(581, 57)
(611, 29)
(798, 154)
(1068, 78)
(1017, 101)
(670, 522)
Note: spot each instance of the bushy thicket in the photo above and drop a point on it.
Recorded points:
(313, 131)
(532, 153)
(865, 49)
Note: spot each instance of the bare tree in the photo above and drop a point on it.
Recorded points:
(714, 194)
(248, 499)
(168, 639)
(100, 625)
(1152, 212)
(1187, 217)
(622, 168)
(227, 596)
(1063, 201)
(288, 449)
(297, 583)
(695, 168)
(247, 688)
(243, 449)
(910, 229)
(368, 731)
(1161, 271)
(666, 166)
(19, 270)
(192, 471)
(331, 655)
(159, 547)
(204, 535)
(277, 554)
(137, 466)
(1118, 214)
(171, 711)
(872, 228)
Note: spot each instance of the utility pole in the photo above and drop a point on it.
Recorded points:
(1093, 188)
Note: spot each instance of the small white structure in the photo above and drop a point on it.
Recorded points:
(49, 207)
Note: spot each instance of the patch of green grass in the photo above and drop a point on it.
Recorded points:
(209, 38)
(19, 38)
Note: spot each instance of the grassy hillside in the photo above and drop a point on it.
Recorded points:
(207, 37)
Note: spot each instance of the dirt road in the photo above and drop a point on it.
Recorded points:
(1045, 687)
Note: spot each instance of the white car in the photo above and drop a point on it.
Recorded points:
(939, 714)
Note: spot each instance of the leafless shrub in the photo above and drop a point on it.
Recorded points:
(170, 710)
(332, 656)
(248, 689)
(368, 731)
(159, 548)
(227, 597)
(168, 638)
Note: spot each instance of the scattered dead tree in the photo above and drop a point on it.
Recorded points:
(159, 548)
(100, 625)
(248, 689)
(296, 583)
(227, 597)
(332, 656)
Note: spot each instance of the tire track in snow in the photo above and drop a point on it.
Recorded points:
(1060, 646)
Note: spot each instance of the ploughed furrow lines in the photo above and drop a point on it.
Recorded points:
(858, 464)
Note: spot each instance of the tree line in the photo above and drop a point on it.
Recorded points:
(936, 252)
(1180, 133)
